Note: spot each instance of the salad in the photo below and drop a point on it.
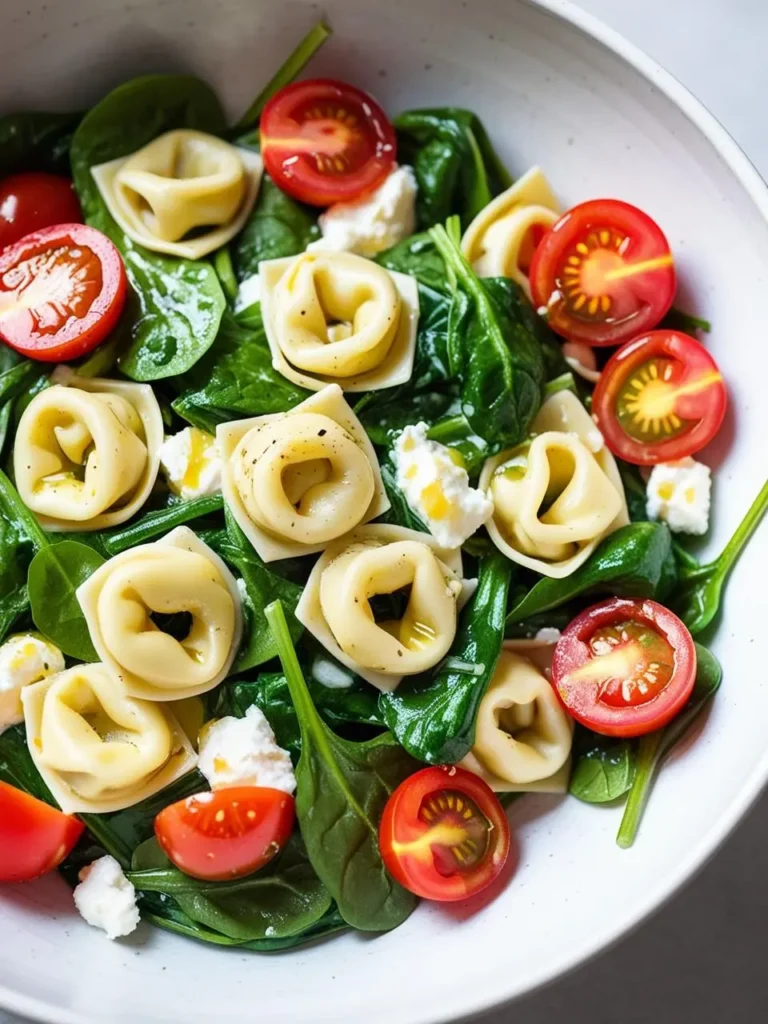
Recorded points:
(348, 493)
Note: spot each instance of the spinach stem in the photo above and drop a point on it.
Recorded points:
(297, 686)
(564, 382)
(647, 759)
(744, 531)
(222, 264)
(448, 428)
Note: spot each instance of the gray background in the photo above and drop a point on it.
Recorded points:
(703, 957)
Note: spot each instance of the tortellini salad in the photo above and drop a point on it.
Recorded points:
(323, 514)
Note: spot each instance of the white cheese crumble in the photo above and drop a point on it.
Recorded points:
(24, 659)
(106, 899)
(243, 752)
(334, 676)
(191, 463)
(374, 223)
(248, 292)
(547, 635)
(437, 488)
(678, 493)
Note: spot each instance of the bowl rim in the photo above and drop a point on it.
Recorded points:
(507, 990)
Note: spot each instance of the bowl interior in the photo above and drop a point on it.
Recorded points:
(549, 94)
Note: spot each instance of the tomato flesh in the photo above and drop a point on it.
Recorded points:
(34, 837)
(443, 834)
(659, 398)
(35, 200)
(228, 833)
(604, 272)
(624, 668)
(326, 142)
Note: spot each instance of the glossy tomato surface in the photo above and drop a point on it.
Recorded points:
(326, 142)
(35, 200)
(604, 272)
(34, 837)
(228, 833)
(624, 668)
(659, 398)
(443, 834)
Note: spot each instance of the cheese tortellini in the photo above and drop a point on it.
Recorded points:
(333, 317)
(298, 480)
(556, 496)
(501, 239)
(166, 194)
(522, 734)
(383, 563)
(87, 452)
(177, 575)
(98, 749)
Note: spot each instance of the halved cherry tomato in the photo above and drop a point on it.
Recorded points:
(326, 142)
(62, 290)
(443, 834)
(604, 272)
(35, 200)
(34, 837)
(659, 398)
(226, 834)
(624, 668)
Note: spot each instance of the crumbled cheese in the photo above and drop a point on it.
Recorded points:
(547, 635)
(679, 494)
(248, 293)
(191, 463)
(106, 899)
(243, 752)
(330, 674)
(24, 659)
(375, 223)
(437, 488)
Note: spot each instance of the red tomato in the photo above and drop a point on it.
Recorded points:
(443, 834)
(34, 838)
(660, 397)
(62, 290)
(624, 668)
(604, 272)
(35, 200)
(226, 834)
(326, 142)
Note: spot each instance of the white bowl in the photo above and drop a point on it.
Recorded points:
(557, 88)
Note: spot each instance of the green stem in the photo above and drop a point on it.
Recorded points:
(744, 531)
(286, 652)
(222, 264)
(564, 382)
(449, 428)
(19, 513)
(292, 67)
(647, 759)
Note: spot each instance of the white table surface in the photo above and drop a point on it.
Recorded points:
(701, 958)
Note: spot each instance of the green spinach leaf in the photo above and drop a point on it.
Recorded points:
(17, 767)
(159, 521)
(603, 767)
(677, 320)
(20, 537)
(36, 142)
(277, 227)
(55, 573)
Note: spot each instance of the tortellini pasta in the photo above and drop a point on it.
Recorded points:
(333, 317)
(128, 603)
(164, 195)
(501, 239)
(556, 496)
(522, 734)
(298, 480)
(384, 564)
(87, 452)
(98, 749)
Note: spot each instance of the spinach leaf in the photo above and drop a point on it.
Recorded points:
(20, 537)
(174, 306)
(277, 227)
(635, 561)
(342, 788)
(654, 747)
(400, 513)
(55, 573)
(36, 142)
(418, 256)
(697, 598)
(634, 491)
(603, 767)
(677, 320)
(17, 767)
(433, 715)
(159, 521)
(222, 264)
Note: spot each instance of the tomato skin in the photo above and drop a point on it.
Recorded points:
(582, 273)
(256, 824)
(697, 398)
(72, 326)
(404, 836)
(34, 837)
(35, 200)
(608, 711)
(318, 156)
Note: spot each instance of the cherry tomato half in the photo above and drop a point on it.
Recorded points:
(326, 142)
(62, 290)
(443, 834)
(226, 834)
(604, 272)
(624, 668)
(35, 200)
(34, 837)
(659, 398)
